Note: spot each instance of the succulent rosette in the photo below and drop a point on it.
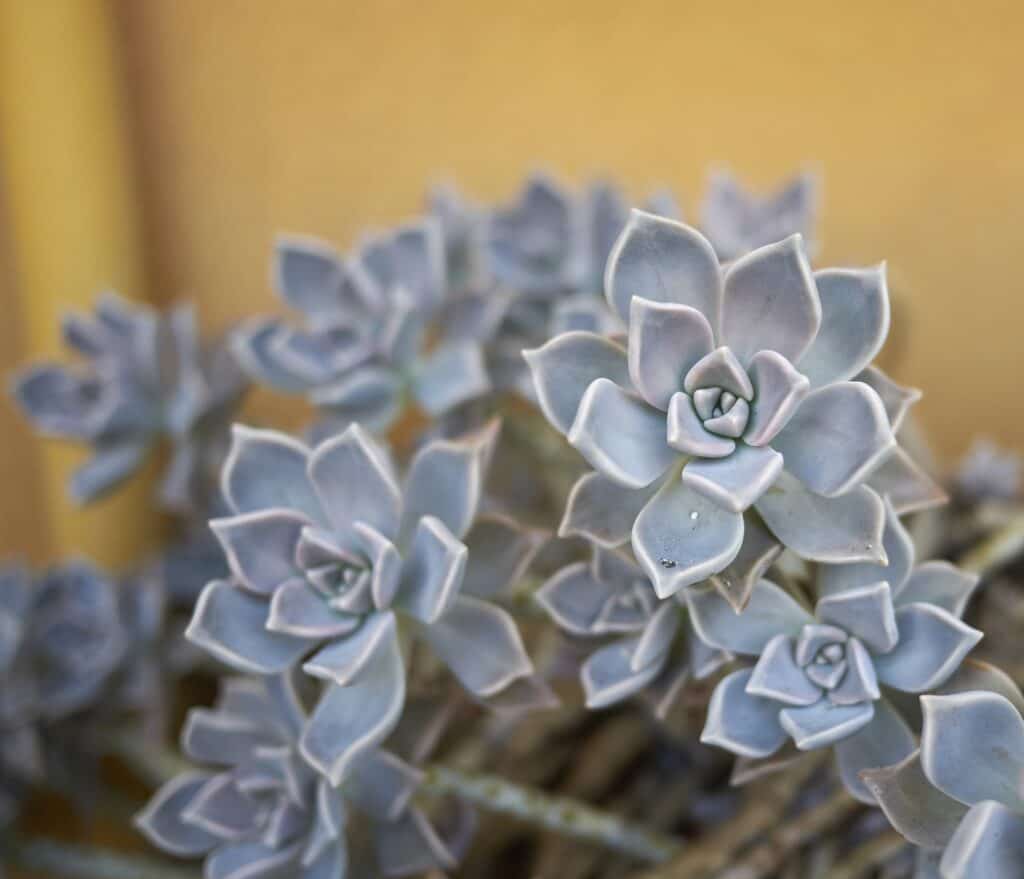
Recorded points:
(987, 473)
(261, 809)
(649, 641)
(737, 221)
(332, 562)
(820, 678)
(362, 348)
(146, 377)
(960, 797)
(733, 393)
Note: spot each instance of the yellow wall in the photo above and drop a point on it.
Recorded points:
(255, 116)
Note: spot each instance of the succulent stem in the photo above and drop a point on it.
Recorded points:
(47, 857)
(557, 814)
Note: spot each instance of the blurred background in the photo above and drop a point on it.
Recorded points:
(158, 146)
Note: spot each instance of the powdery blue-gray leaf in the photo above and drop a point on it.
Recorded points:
(480, 643)
(249, 860)
(411, 257)
(972, 748)
(686, 433)
(824, 723)
(230, 624)
(620, 435)
(777, 675)
(260, 547)
(896, 399)
(381, 785)
(449, 376)
(349, 721)
(445, 480)
(657, 636)
(719, 369)
(353, 483)
(905, 484)
(663, 261)
(162, 821)
(770, 302)
(500, 553)
(769, 612)
(410, 845)
(565, 367)
(267, 469)
(219, 736)
(735, 482)
(344, 659)
(432, 571)
(742, 723)
(863, 611)
(370, 395)
(974, 674)
(737, 580)
(778, 392)
(839, 530)
(680, 538)
(837, 436)
(941, 584)
(255, 345)
(665, 342)
(610, 675)
(602, 510)
(913, 805)
(855, 323)
(309, 276)
(988, 842)
(574, 598)
(932, 644)
(111, 464)
(886, 740)
(221, 809)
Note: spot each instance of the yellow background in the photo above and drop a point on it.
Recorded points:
(241, 118)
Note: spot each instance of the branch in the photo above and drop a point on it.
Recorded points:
(558, 814)
(49, 858)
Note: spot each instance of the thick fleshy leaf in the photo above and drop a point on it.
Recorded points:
(267, 469)
(860, 683)
(770, 302)
(353, 484)
(905, 485)
(837, 436)
(771, 611)
(620, 435)
(385, 564)
(972, 748)
(974, 674)
(609, 674)
(222, 809)
(320, 355)
(308, 276)
(719, 369)
(831, 530)
(777, 675)
(884, 741)
(370, 395)
(686, 433)
(939, 583)
(60, 403)
(260, 547)
(162, 822)
(896, 399)
(824, 723)
(681, 538)
(251, 860)
(603, 511)
(913, 805)
(480, 643)
(864, 611)
(411, 258)
(665, 341)
(663, 261)
(988, 842)
(445, 480)
(932, 644)
(230, 624)
(741, 723)
(351, 720)
(735, 482)
(344, 659)
(657, 636)
(500, 553)
(381, 786)
(854, 323)
(759, 551)
(566, 366)
(255, 346)
(432, 571)
(778, 390)
(574, 598)
(449, 376)
(899, 550)
(410, 846)
(110, 465)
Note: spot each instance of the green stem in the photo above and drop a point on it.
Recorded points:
(558, 814)
(47, 857)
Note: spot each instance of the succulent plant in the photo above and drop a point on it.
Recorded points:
(262, 810)
(818, 678)
(733, 391)
(736, 221)
(987, 472)
(146, 377)
(960, 796)
(362, 349)
(330, 557)
(650, 642)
